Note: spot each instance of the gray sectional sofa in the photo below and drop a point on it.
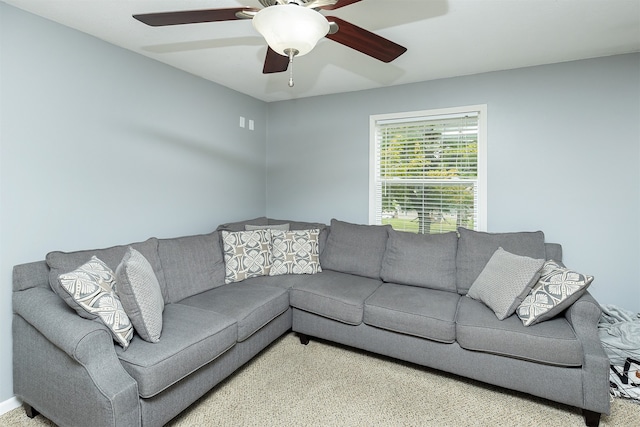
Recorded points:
(388, 292)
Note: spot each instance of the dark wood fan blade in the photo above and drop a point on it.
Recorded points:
(192, 16)
(339, 4)
(274, 62)
(365, 41)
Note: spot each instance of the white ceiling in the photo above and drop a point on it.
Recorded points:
(445, 38)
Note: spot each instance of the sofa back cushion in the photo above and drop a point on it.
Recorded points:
(355, 249)
(476, 248)
(297, 225)
(241, 225)
(426, 260)
(191, 264)
(64, 262)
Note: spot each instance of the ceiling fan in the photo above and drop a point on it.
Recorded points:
(290, 27)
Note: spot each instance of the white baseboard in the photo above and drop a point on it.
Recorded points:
(9, 405)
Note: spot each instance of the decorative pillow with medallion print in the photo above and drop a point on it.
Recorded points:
(557, 288)
(246, 254)
(91, 287)
(295, 252)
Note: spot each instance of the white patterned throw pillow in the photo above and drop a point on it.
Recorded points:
(295, 252)
(246, 254)
(505, 281)
(92, 287)
(557, 288)
(140, 294)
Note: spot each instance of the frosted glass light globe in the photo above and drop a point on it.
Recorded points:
(289, 26)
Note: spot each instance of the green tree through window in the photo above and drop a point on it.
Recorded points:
(426, 171)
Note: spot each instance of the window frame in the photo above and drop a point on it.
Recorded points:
(374, 167)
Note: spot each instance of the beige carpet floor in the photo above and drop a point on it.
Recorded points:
(324, 384)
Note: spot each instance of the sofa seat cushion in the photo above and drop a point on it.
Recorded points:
(425, 313)
(334, 295)
(284, 281)
(251, 305)
(191, 338)
(553, 342)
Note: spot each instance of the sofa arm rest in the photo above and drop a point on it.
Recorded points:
(54, 319)
(59, 356)
(584, 316)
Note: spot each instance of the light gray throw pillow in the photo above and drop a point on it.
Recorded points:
(141, 296)
(505, 281)
(475, 248)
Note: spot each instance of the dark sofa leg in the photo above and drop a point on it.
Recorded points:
(591, 419)
(30, 410)
(304, 339)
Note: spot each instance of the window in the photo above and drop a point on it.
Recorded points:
(428, 170)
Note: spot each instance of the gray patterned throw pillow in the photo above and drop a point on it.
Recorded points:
(246, 254)
(140, 294)
(91, 286)
(557, 288)
(295, 252)
(505, 281)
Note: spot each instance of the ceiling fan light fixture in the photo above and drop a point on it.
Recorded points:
(289, 27)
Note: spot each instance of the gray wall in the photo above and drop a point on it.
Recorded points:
(563, 152)
(100, 146)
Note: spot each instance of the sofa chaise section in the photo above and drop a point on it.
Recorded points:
(148, 383)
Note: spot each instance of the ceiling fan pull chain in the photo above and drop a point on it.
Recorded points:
(291, 53)
(291, 72)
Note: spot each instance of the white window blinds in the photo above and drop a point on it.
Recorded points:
(426, 171)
